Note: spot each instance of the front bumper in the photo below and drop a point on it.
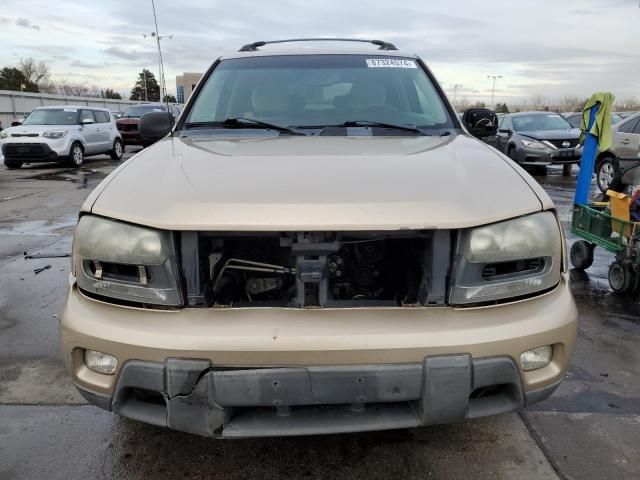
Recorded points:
(195, 396)
(417, 366)
(36, 150)
(561, 156)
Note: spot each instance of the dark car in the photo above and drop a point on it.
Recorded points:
(575, 119)
(128, 123)
(538, 139)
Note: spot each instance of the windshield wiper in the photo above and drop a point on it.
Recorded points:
(367, 123)
(237, 122)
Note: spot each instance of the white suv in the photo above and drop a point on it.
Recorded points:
(64, 133)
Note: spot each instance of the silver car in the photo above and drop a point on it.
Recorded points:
(61, 134)
(620, 165)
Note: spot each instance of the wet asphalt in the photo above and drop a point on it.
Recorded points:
(590, 428)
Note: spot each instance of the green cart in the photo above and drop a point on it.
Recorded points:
(596, 227)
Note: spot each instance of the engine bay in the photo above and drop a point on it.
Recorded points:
(316, 269)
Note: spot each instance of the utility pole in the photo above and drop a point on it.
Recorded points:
(493, 88)
(455, 91)
(158, 37)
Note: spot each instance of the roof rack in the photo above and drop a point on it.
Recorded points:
(252, 47)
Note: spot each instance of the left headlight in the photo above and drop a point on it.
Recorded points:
(534, 144)
(126, 262)
(507, 259)
(54, 134)
(4, 134)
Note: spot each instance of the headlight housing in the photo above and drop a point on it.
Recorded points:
(508, 259)
(4, 134)
(54, 134)
(126, 262)
(534, 144)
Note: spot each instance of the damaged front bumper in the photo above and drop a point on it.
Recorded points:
(194, 396)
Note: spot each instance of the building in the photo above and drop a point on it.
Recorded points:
(185, 84)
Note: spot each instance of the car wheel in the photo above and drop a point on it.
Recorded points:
(11, 164)
(607, 176)
(513, 154)
(581, 254)
(620, 277)
(118, 150)
(76, 155)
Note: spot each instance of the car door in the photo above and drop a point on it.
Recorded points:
(103, 122)
(90, 131)
(504, 134)
(629, 151)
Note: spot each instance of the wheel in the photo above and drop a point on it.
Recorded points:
(118, 150)
(581, 254)
(11, 164)
(76, 155)
(512, 153)
(607, 176)
(620, 277)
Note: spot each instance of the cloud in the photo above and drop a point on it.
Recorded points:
(81, 64)
(23, 22)
(126, 54)
(4, 20)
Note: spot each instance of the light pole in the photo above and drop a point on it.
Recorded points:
(455, 91)
(493, 88)
(158, 37)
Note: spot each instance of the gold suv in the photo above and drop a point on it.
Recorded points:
(318, 245)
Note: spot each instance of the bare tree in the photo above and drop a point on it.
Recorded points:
(537, 102)
(461, 104)
(627, 105)
(33, 71)
(572, 103)
(64, 87)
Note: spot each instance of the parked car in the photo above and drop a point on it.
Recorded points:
(128, 122)
(538, 139)
(318, 245)
(618, 166)
(61, 134)
(575, 119)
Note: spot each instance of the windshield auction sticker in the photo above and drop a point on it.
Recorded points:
(390, 63)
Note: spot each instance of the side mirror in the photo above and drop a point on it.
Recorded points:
(154, 126)
(86, 121)
(481, 122)
(505, 130)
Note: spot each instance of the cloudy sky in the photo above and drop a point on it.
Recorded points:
(542, 47)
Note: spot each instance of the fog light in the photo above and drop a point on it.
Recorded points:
(536, 358)
(100, 362)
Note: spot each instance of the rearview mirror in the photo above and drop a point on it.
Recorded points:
(154, 126)
(481, 122)
(86, 121)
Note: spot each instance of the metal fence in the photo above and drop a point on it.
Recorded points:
(14, 105)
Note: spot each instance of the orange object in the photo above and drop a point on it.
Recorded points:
(620, 210)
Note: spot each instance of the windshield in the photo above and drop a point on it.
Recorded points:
(138, 111)
(52, 116)
(615, 119)
(321, 90)
(540, 121)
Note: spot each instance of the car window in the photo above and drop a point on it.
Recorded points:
(53, 116)
(101, 117)
(505, 123)
(629, 126)
(139, 110)
(320, 90)
(540, 121)
(636, 129)
(86, 115)
(575, 120)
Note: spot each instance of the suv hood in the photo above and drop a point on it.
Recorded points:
(571, 134)
(316, 183)
(39, 129)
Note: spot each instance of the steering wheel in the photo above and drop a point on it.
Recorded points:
(376, 107)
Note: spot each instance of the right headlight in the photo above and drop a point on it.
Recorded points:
(534, 144)
(126, 262)
(508, 259)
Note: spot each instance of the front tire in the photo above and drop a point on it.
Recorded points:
(621, 277)
(581, 254)
(607, 176)
(117, 151)
(12, 164)
(76, 155)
